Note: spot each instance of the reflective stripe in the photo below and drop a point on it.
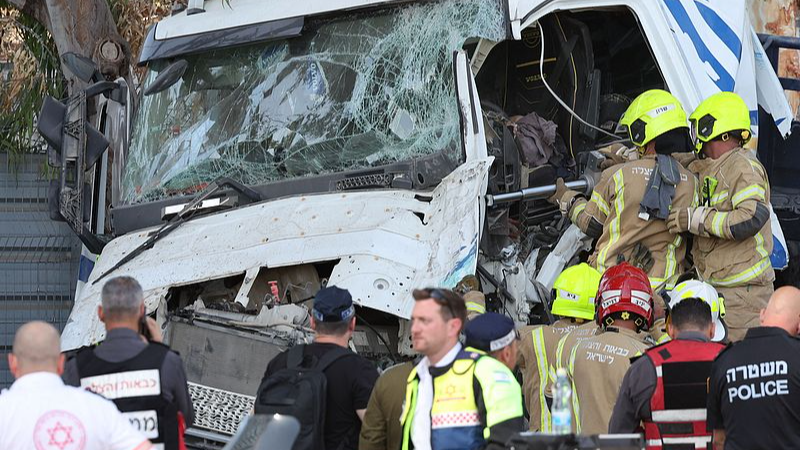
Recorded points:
(719, 198)
(753, 190)
(576, 404)
(600, 202)
(577, 211)
(696, 440)
(476, 307)
(541, 362)
(760, 245)
(757, 165)
(679, 415)
(619, 204)
(672, 263)
(743, 277)
(716, 225)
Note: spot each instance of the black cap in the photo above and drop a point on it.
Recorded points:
(490, 332)
(333, 304)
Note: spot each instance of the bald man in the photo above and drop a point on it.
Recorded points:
(40, 412)
(754, 388)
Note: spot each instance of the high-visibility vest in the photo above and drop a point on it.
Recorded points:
(457, 420)
(678, 404)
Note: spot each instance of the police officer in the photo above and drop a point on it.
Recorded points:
(753, 399)
(459, 398)
(733, 238)
(664, 391)
(145, 379)
(598, 364)
(630, 205)
(575, 290)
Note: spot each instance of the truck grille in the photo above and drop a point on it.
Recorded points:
(217, 410)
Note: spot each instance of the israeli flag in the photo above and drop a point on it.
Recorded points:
(724, 54)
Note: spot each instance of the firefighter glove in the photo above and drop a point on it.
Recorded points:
(687, 219)
(563, 197)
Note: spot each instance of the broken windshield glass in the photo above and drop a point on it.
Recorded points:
(354, 92)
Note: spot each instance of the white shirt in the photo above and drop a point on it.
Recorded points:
(421, 426)
(40, 412)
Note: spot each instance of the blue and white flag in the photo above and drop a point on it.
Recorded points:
(723, 53)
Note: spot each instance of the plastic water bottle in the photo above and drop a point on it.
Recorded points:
(561, 412)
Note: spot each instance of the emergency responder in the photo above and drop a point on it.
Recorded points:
(495, 335)
(154, 379)
(381, 428)
(447, 396)
(664, 391)
(629, 205)
(753, 399)
(733, 237)
(40, 412)
(575, 290)
(598, 364)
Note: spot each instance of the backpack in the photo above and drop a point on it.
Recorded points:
(300, 392)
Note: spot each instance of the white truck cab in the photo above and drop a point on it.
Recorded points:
(356, 141)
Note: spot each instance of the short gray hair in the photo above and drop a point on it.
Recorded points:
(122, 297)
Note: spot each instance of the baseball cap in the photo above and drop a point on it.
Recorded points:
(490, 331)
(333, 304)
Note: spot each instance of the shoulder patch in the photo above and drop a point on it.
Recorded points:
(501, 376)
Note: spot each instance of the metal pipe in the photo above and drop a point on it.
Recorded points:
(537, 192)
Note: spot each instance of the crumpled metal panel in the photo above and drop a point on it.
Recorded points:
(388, 242)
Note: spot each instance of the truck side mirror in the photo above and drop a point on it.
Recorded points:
(169, 76)
(82, 67)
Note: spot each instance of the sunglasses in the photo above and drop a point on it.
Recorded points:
(441, 300)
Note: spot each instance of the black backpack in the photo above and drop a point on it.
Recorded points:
(300, 392)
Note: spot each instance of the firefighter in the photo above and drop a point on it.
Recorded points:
(664, 392)
(733, 238)
(598, 364)
(629, 205)
(575, 289)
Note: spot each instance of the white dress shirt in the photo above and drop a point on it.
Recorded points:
(421, 426)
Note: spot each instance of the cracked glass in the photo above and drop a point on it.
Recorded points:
(353, 92)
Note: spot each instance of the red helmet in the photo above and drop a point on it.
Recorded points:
(625, 289)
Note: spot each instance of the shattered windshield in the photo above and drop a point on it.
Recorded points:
(352, 92)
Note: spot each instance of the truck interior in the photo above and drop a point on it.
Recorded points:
(596, 62)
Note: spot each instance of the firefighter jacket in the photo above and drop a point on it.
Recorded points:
(477, 403)
(612, 216)
(735, 246)
(134, 385)
(678, 403)
(537, 351)
(596, 367)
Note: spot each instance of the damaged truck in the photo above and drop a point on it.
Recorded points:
(277, 147)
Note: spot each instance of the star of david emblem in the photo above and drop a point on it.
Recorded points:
(59, 430)
(60, 436)
(626, 315)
